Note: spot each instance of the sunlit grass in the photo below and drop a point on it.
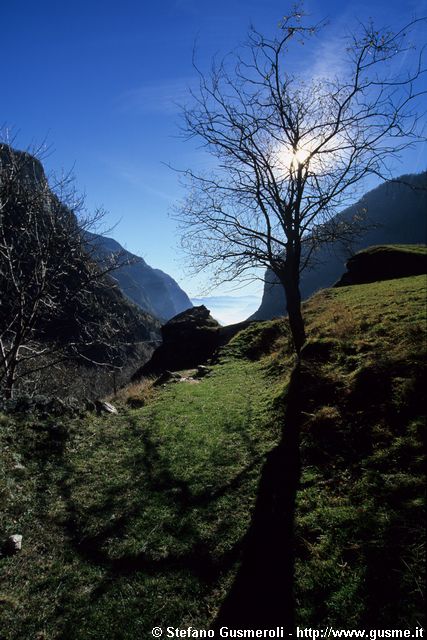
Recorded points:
(360, 511)
(142, 513)
(138, 519)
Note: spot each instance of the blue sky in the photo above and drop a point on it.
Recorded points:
(99, 81)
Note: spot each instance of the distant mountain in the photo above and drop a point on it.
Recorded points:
(396, 214)
(151, 289)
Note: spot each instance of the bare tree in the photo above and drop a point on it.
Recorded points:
(290, 150)
(50, 284)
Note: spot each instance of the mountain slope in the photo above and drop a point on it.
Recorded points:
(151, 289)
(397, 215)
(56, 305)
(177, 513)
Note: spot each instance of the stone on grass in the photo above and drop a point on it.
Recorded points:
(13, 544)
(106, 406)
(18, 468)
(167, 376)
(202, 371)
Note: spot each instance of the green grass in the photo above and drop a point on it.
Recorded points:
(138, 520)
(381, 317)
(403, 248)
(360, 507)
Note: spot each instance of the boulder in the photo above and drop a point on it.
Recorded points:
(202, 371)
(12, 545)
(384, 263)
(190, 338)
(106, 407)
(167, 376)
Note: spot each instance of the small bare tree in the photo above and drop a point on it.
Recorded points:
(290, 150)
(50, 284)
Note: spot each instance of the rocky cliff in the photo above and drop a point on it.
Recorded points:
(188, 340)
(151, 289)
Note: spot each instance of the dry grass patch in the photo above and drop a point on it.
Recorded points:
(135, 394)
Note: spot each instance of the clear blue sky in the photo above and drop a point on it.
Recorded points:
(98, 80)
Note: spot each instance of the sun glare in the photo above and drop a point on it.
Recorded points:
(300, 156)
(289, 159)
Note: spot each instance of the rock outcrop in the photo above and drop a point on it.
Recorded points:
(384, 263)
(189, 339)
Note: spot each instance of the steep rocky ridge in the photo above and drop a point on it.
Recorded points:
(151, 289)
(396, 214)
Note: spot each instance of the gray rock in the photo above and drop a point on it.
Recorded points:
(107, 407)
(202, 371)
(18, 469)
(13, 544)
(190, 338)
(167, 376)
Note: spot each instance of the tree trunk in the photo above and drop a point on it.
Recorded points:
(290, 283)
(10, 381)
(296, 321)
(11, 366)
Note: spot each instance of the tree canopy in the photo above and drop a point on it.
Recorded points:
(290, 149)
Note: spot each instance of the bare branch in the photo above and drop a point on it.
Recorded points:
(291, 152)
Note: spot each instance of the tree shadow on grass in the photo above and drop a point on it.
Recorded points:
(154, 478)
(261, 596)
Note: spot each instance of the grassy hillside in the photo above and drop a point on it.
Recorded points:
(142, 519)
(419, 249)
(360, 508)
(137, 519)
